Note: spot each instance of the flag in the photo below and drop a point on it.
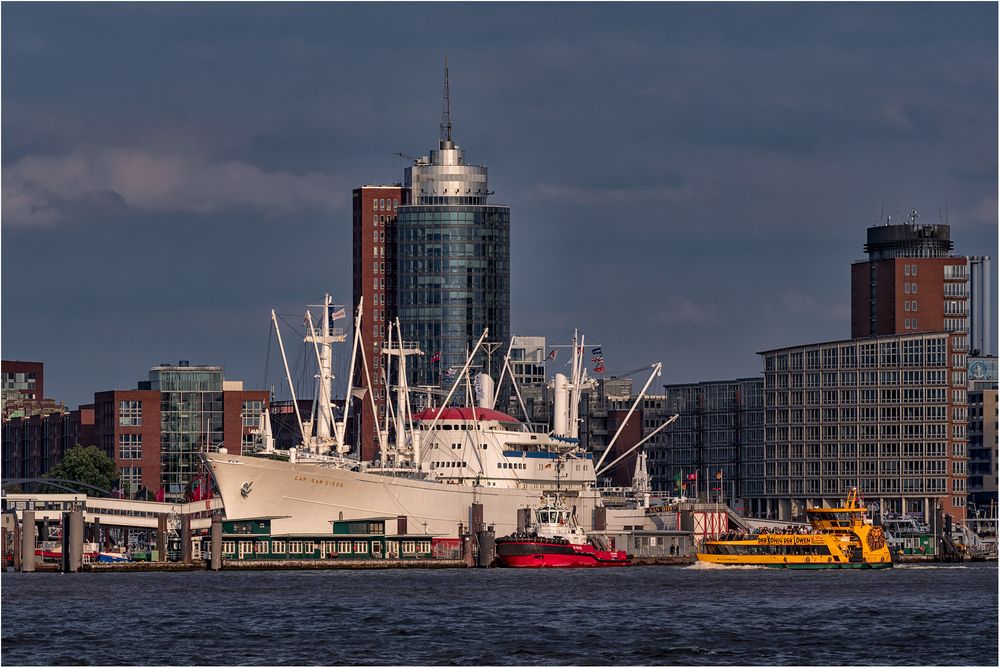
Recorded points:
(678, 483)
(436, 357)
(552, 355)
(338, 313)
(692, 476)
(718, 476)
(159, 495)
(598, 359)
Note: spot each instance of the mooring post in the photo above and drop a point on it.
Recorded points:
(216, 541)
(186, 539)
(75, 530)
(28, 541)
(161, 536)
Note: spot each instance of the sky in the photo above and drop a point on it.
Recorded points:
(689, 183)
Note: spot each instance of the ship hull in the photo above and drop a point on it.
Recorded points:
(790, 563)
(543, 554)
(305, 498)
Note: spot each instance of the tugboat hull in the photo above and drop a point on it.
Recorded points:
(544, 554)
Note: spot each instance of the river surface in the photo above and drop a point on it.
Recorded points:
(698, 615)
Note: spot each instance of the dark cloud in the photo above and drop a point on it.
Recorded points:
(689, 182)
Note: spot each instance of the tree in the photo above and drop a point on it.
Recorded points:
(89, 465)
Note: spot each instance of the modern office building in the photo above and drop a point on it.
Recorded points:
(715, 449)
(983, 432)
(374, 223)
(886, 414)
(157, 431)
(454, 260)
(602, 411)
(910, 282)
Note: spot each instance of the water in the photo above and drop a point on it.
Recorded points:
(700, 615)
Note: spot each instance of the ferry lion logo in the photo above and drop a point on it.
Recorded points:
(876, 539)
(246, 489)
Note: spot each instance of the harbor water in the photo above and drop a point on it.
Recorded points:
(698, 615)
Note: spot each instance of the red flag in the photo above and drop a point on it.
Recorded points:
(159, 495)
(552, 355)
(436, 357)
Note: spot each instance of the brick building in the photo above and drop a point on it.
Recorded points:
(33, 445)
(24, 390)
(910, 282)
(374, 224)
(156, 432)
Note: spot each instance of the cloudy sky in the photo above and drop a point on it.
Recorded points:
(688, 182)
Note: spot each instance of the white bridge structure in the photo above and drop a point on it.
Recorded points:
(110, 512)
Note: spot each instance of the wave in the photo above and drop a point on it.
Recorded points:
(708, 566)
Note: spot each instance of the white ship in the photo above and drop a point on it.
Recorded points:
(432, 466)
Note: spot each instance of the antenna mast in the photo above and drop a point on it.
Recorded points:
(446, 110)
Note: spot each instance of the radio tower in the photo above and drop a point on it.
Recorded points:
(446, 110)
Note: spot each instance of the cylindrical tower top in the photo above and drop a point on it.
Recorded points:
(908, 240)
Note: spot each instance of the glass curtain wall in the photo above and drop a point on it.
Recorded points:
(454, 280)
(191, 422)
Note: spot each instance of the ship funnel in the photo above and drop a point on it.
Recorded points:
(484, 391)
(560, 418)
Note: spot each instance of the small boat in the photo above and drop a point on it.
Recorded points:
(555, 540)
(839, 538)
(112, 557)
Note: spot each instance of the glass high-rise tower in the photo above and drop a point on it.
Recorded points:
(453, 261)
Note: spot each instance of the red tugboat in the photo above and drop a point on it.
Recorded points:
(556, 541)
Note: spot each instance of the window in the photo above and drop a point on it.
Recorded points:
(360, 547)
(251, 413)
(343, 547)
(129, 446)
(130, 414)
(278, 547)
(131, 477)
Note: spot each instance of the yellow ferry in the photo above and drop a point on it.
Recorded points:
(839, 538)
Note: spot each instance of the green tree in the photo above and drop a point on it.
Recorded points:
(89, 465)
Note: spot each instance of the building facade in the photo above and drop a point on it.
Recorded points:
(715, 449)
(888, 415)
(984, 463)
(24, 389)
(32, 445)
(374, 223)
(454, 261)
(157, 432)
(910, 282)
